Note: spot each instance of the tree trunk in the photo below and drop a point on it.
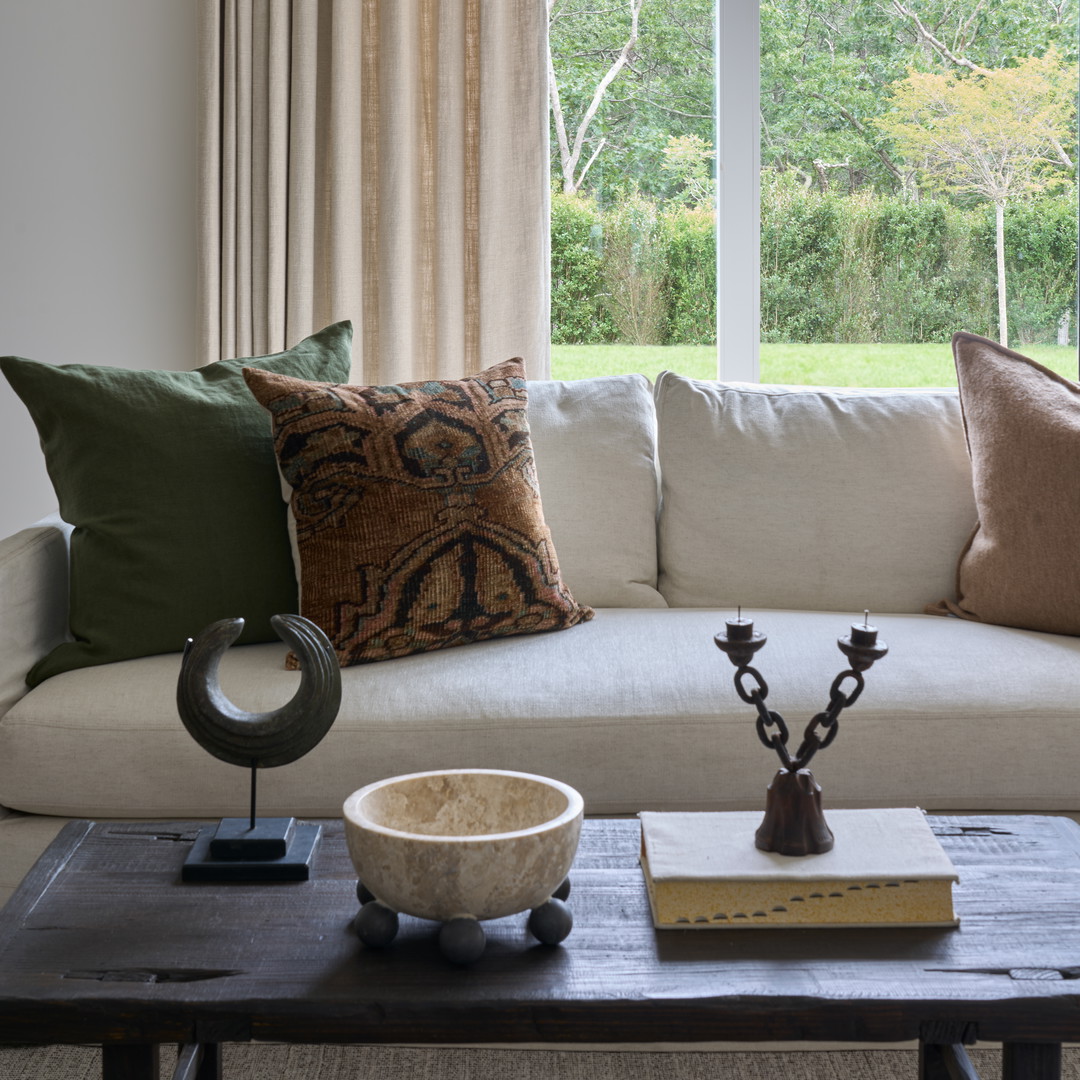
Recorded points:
(1003, 318)
(570, 156)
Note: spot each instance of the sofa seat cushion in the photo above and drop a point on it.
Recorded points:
(636, 709)
(810, 497)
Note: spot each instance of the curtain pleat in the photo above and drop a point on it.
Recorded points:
(302, 165)
(209, 178)
(383, 161)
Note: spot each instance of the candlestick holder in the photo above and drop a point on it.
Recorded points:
(794, 822)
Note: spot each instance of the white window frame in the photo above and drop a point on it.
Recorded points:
(738, 213)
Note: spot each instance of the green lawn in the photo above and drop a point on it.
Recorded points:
(811, 365)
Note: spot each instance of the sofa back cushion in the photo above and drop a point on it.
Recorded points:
(594, 443)
(809, 497)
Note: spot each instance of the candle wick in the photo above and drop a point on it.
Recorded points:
(866, 617)
(740, 613)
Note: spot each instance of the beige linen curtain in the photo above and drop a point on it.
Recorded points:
(383, 161)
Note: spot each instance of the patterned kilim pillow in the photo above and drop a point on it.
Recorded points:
(418, 518)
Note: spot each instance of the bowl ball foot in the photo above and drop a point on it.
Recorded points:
(462, 940)
(551, 922)
(376, 925)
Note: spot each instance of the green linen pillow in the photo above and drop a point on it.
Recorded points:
(170, 480)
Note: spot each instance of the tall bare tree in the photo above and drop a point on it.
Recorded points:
(570, 153)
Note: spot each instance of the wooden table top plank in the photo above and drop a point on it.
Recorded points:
(102, 941)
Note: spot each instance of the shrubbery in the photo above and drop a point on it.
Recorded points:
(689, 236)
(834, 268)
(1040, 246)
(634, 269)
(578, 313)
(870, 268)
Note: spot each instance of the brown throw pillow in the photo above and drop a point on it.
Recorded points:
(1021, 566)
(418, 517)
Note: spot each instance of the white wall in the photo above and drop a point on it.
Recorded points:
(97, 202)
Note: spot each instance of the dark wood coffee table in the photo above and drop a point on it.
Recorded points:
(103, 944)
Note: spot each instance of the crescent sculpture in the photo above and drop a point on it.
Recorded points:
(259, 740)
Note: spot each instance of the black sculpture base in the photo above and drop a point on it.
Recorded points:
(233, 851)
(236, 839)
(794, 823)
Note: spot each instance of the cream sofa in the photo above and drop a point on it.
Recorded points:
(668, 507)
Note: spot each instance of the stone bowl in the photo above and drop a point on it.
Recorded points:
(463, 843)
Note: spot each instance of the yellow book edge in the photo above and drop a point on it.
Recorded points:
(786, 892)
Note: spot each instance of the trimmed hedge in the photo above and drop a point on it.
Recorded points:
(1040, 255)
(689, 235)
(577, 287)
(834, 268)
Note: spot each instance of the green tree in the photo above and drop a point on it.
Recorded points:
(991, 134)
(571, 138)
(827, 66)
(625, 77)
(824, 64)
(689, 159)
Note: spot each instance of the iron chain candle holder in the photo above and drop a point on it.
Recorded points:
(794, 823)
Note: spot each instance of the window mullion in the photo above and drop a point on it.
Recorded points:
(738, 309)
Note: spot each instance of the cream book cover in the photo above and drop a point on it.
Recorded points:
(886, 869)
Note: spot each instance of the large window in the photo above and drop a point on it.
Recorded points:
(880, 174)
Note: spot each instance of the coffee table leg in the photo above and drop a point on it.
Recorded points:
(210, 1066)
(1031, 1061)
(137, 1061)
(932, 1062)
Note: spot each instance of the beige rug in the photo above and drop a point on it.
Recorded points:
(260, 1062)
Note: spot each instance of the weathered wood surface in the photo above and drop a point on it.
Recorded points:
(103, 944)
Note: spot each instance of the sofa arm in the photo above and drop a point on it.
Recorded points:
(33, 601)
